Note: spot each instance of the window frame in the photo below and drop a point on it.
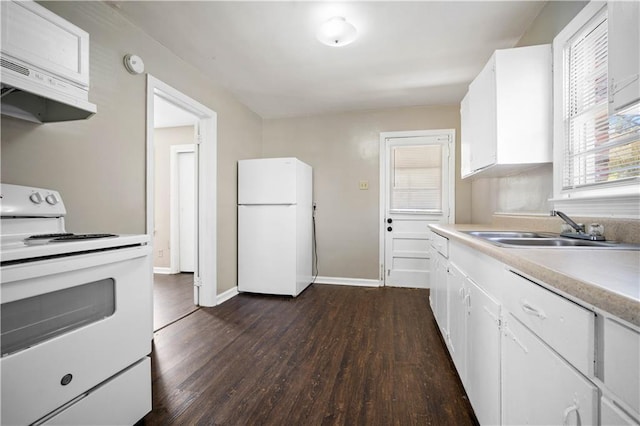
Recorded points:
(617, 199)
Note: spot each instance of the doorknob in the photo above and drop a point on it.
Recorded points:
(389, 229)
(389, 220)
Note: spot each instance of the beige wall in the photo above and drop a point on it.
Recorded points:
(99, 164)
(163, 140)
(527, 192)
(344, 149)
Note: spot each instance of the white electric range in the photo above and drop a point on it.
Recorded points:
(76, 317)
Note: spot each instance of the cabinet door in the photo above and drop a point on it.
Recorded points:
(539, 387)
(483, 119)
(621, 362)
(457, 319)
(610, 415)
(624, 54)
(483, 355)
(466, 136)
(440, 295)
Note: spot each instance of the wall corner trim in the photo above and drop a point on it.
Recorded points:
(161, 270)
(223, 297)
(358, 282)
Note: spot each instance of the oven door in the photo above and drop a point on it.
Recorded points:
(69, 324)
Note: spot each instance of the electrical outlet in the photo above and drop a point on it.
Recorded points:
(364, 185)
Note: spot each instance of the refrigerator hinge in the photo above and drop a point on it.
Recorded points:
(197, 282)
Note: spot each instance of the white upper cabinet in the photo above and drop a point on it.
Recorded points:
(507, 113)
(624, 54)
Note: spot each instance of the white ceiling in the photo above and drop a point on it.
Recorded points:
(266, 53)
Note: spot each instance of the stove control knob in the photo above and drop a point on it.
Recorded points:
(51, 199)
(36, 198)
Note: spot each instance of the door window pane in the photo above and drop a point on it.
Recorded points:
(416, 177)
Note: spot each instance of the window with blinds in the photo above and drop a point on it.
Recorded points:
(416, 173)
(599, 149)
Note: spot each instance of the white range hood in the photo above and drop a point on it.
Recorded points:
(44, 67)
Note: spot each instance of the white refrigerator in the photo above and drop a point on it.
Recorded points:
(275, 210)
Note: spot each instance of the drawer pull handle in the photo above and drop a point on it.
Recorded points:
(528, 309)
(569, 410)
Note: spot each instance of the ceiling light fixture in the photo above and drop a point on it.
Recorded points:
(337, 32)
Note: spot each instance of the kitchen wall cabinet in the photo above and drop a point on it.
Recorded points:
(624, 54)
(527, 355)
(506, 116)
(465, 136)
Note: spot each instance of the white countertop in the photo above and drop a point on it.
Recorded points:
(606, 279)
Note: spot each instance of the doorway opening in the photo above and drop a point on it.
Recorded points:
(181, 201)
(417, 187)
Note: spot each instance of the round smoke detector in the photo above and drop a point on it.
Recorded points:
(133, 64)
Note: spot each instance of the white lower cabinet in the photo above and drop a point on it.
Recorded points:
(611, 415)
(538, 386)
(483, 354)
(527, 355)
(621, 364)
(457, 293)
(438, 293)
(473, 340)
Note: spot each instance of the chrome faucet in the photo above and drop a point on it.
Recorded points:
(579, 228)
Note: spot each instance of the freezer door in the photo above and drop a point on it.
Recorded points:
(267, 249)
(267, 181)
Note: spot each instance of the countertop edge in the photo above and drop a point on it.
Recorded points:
(588, 294)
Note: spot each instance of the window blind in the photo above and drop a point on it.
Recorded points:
(599, 148)
(417, 178)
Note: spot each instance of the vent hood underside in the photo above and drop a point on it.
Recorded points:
(39, 97)
(38, 109)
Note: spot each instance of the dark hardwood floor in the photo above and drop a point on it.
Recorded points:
(172, 298)
(332, 356)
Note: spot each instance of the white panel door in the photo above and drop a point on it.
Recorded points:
(187, 214)
(416, 185)
(267, 181)
(267, 249)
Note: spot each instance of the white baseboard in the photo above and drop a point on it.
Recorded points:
(161, 270)
(223, 297)
(359, 282)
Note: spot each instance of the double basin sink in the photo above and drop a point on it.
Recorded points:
(544, 240)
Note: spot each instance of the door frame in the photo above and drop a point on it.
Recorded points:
(383, 182)
(174, 222)
(205, 151)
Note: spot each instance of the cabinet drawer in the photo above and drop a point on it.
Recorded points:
(538, 386)
(621, 365)
(565, 326)
(611, 415)
(440, 244)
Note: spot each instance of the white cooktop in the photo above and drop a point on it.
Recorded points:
(14, 248)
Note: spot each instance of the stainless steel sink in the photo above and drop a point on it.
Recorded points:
(517, 239)
(508, 234)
